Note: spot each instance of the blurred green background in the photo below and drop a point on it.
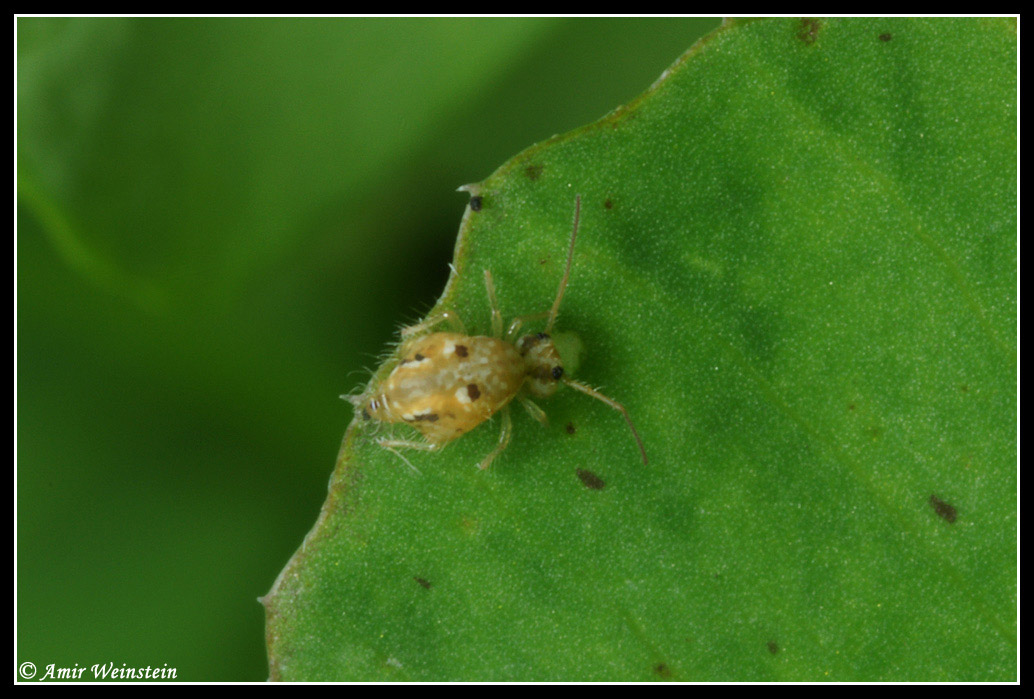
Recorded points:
(220, 223)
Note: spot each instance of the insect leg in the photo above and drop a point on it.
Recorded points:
(407, 444)
(515, 326)
(534, 410)
(504, 439)
(587, 390)
(493, 302)
(446, 316)
(406, 461)
(393, 445)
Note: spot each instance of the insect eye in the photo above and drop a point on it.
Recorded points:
(558, 371)
(366, 415)
(542, 336)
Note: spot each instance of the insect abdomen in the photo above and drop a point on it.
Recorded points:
(447, 384)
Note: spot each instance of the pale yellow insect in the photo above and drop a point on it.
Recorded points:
(448, 383)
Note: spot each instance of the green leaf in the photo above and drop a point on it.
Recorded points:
(796, 268)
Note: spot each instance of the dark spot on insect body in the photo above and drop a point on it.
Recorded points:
(533, 171)
(461, 351)
(590, 480)
(366, 415)
(542, 336)
(569, 428)
(808, 30)
(423, 583)
(944, 510)
(473, 392)
(773, 647)
(662, 670)
(475, 203)
(418, 357)
(541, 373)
(557, 372)
(885, 36)
(426, 417)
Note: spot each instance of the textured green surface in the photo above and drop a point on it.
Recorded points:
(797, 269)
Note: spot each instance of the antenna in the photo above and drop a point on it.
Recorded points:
(590, 391)
(567, 270)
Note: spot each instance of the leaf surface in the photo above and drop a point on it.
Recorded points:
(797, 269)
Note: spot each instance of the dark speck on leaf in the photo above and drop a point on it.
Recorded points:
(475, 203)
(569, 428)
(773, 647)
(944, 510)
(423, 583)
(809, 30)
(590, 480)
(885, 36)
(533, 171)
(662, 670)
